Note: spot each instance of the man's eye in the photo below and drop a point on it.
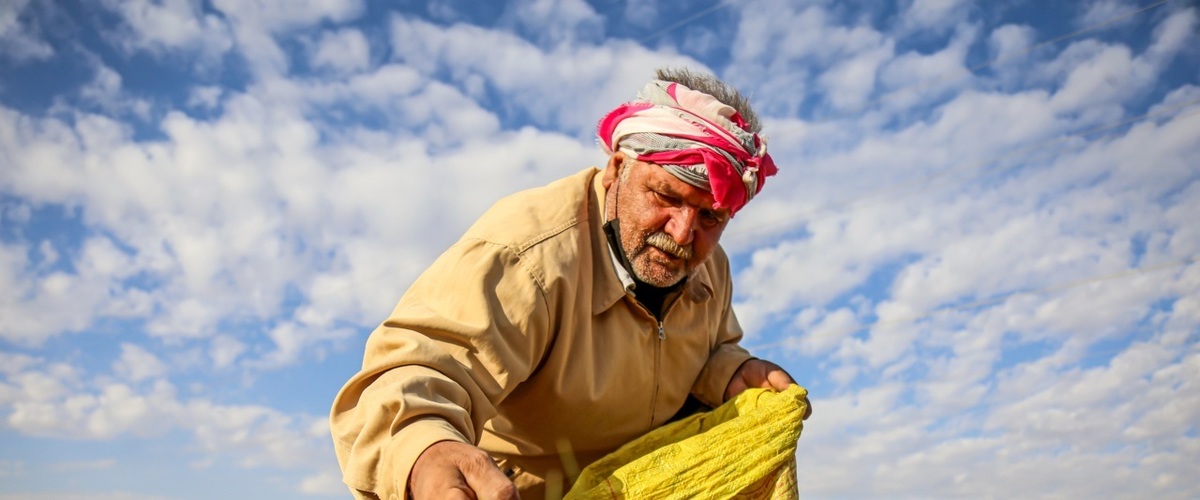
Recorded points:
(670, 200)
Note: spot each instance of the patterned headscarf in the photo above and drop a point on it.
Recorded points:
(695, 137)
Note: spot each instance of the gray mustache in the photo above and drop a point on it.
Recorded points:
(666, 243)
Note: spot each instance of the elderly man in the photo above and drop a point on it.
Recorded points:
(570, 318)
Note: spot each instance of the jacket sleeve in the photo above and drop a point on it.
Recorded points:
(471, 328)
(726, 355)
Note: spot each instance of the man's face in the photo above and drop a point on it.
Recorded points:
(668, 227)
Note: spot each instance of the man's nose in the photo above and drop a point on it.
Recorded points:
(682, 225)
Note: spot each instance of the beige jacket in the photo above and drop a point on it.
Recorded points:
(522, 339)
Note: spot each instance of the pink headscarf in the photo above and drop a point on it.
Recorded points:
(695, 137)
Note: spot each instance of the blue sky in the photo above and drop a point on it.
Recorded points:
(980, 254)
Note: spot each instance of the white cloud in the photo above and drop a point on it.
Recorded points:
(17, 40)
(1171, 36)
(1004, 245)
(933, 15)
(327, 482)
(1009, 47)
(292, 340)
(849, 83)
(443, 10)
(15, 362)
(1067, 425)
(171, 25)
(54, 403)
(1094, 77)
(33, 300)
(89, 495)
(814, 32)
(551, 23)
(55, 400)
(344, 51)
(1063, 218)
(641, 14)
(914, 77)
(106, 94)
(215, 219)
(289, 15)
(215, 211)
(223, 213)
(117, 409)
(137, 364)
(255, 435)
(1109, 76)
(255, 24)
(823, 332)
(101, 464)
(12, 468)
(225, 350)
(779, 46)
(1060, 227)
(1011, 40)
(1095, 12)
(549, 85)
(205, 96)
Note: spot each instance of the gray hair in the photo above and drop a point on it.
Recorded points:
(712, 86)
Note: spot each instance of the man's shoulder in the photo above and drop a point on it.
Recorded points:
(524, 218)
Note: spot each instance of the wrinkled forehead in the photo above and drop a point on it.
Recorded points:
(663, 181)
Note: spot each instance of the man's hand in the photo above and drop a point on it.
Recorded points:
(759, 373)
(454, 470)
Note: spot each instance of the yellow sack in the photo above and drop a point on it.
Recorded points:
(744, 449)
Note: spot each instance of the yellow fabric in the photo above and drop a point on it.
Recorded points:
(746, 448)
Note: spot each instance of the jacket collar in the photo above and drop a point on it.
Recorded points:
(612, 281)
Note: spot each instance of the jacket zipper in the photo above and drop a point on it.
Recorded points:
(658, 347)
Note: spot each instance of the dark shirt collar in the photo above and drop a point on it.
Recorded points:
(650, 296)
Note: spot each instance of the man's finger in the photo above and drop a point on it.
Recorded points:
(449, 469)
(779, 379)
(447, 484)
(488, 482)
(452, 494)
(736, 386)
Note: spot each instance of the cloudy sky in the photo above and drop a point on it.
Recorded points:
(980, 255)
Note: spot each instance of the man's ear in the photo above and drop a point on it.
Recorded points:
(613, 170)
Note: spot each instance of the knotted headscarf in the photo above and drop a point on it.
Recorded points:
(695, 137)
